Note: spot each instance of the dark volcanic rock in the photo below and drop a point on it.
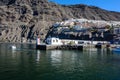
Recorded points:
(23, 20)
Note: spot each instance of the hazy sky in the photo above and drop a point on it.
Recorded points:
(112, 5)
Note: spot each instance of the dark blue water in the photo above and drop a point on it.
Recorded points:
(26, 63)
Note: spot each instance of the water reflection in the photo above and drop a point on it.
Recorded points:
(56, 56)
(38, 55)
(65, 59)
(27, 64)
(13, 53)
(69, 59)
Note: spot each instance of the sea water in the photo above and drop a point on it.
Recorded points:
(27, 63)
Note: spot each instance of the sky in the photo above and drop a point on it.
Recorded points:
(111, 5)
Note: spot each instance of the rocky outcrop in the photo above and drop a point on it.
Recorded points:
(23, 20)
(92, 12)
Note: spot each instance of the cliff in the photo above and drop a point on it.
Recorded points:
(23, 20)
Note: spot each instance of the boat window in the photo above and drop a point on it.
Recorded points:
(56, 40)
(80, 42)
(53, 40)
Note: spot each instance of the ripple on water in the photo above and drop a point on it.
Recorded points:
(30, 64)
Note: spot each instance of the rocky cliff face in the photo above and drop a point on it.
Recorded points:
(23, 20)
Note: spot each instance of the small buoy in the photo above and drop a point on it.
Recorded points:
(13, 47)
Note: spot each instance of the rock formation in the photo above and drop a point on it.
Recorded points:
(23, 20)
